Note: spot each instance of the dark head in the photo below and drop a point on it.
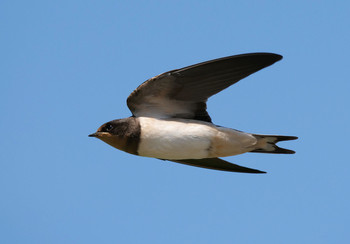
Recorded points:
(123, 134)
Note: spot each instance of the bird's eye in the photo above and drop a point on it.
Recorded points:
(108, 127)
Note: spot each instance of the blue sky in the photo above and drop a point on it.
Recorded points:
(68, 66)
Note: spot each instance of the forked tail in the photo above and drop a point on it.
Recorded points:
(267, 144)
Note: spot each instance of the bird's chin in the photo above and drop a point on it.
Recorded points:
(114, 141)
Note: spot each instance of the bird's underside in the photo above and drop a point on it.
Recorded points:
(201, 144)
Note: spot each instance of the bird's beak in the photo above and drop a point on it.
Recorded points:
(94, 134)
(100, 134)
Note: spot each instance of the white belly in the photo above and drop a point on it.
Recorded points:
(169, 139)
(180, 139)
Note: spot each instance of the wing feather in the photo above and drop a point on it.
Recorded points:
(218, 164)
(183, 93)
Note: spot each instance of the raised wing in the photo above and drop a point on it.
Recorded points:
(183, 93)
(218, 164)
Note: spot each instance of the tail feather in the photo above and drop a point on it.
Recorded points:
(267, 144)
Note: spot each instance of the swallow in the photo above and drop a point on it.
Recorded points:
(170, 120)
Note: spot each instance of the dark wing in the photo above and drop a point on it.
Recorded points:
(218, 164)
(183, 93)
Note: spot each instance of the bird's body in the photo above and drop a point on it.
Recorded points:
(184, 139)
(170, 120)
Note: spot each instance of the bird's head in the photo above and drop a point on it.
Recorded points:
(122, 134)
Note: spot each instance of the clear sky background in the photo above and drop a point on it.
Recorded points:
(68, 66)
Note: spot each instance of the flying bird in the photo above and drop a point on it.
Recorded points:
(170, 120)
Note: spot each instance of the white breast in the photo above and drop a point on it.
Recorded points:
(174, 139)
(184, 139)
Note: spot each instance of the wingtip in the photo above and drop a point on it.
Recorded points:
(258, 172)
(276, 57)
(269, 58)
